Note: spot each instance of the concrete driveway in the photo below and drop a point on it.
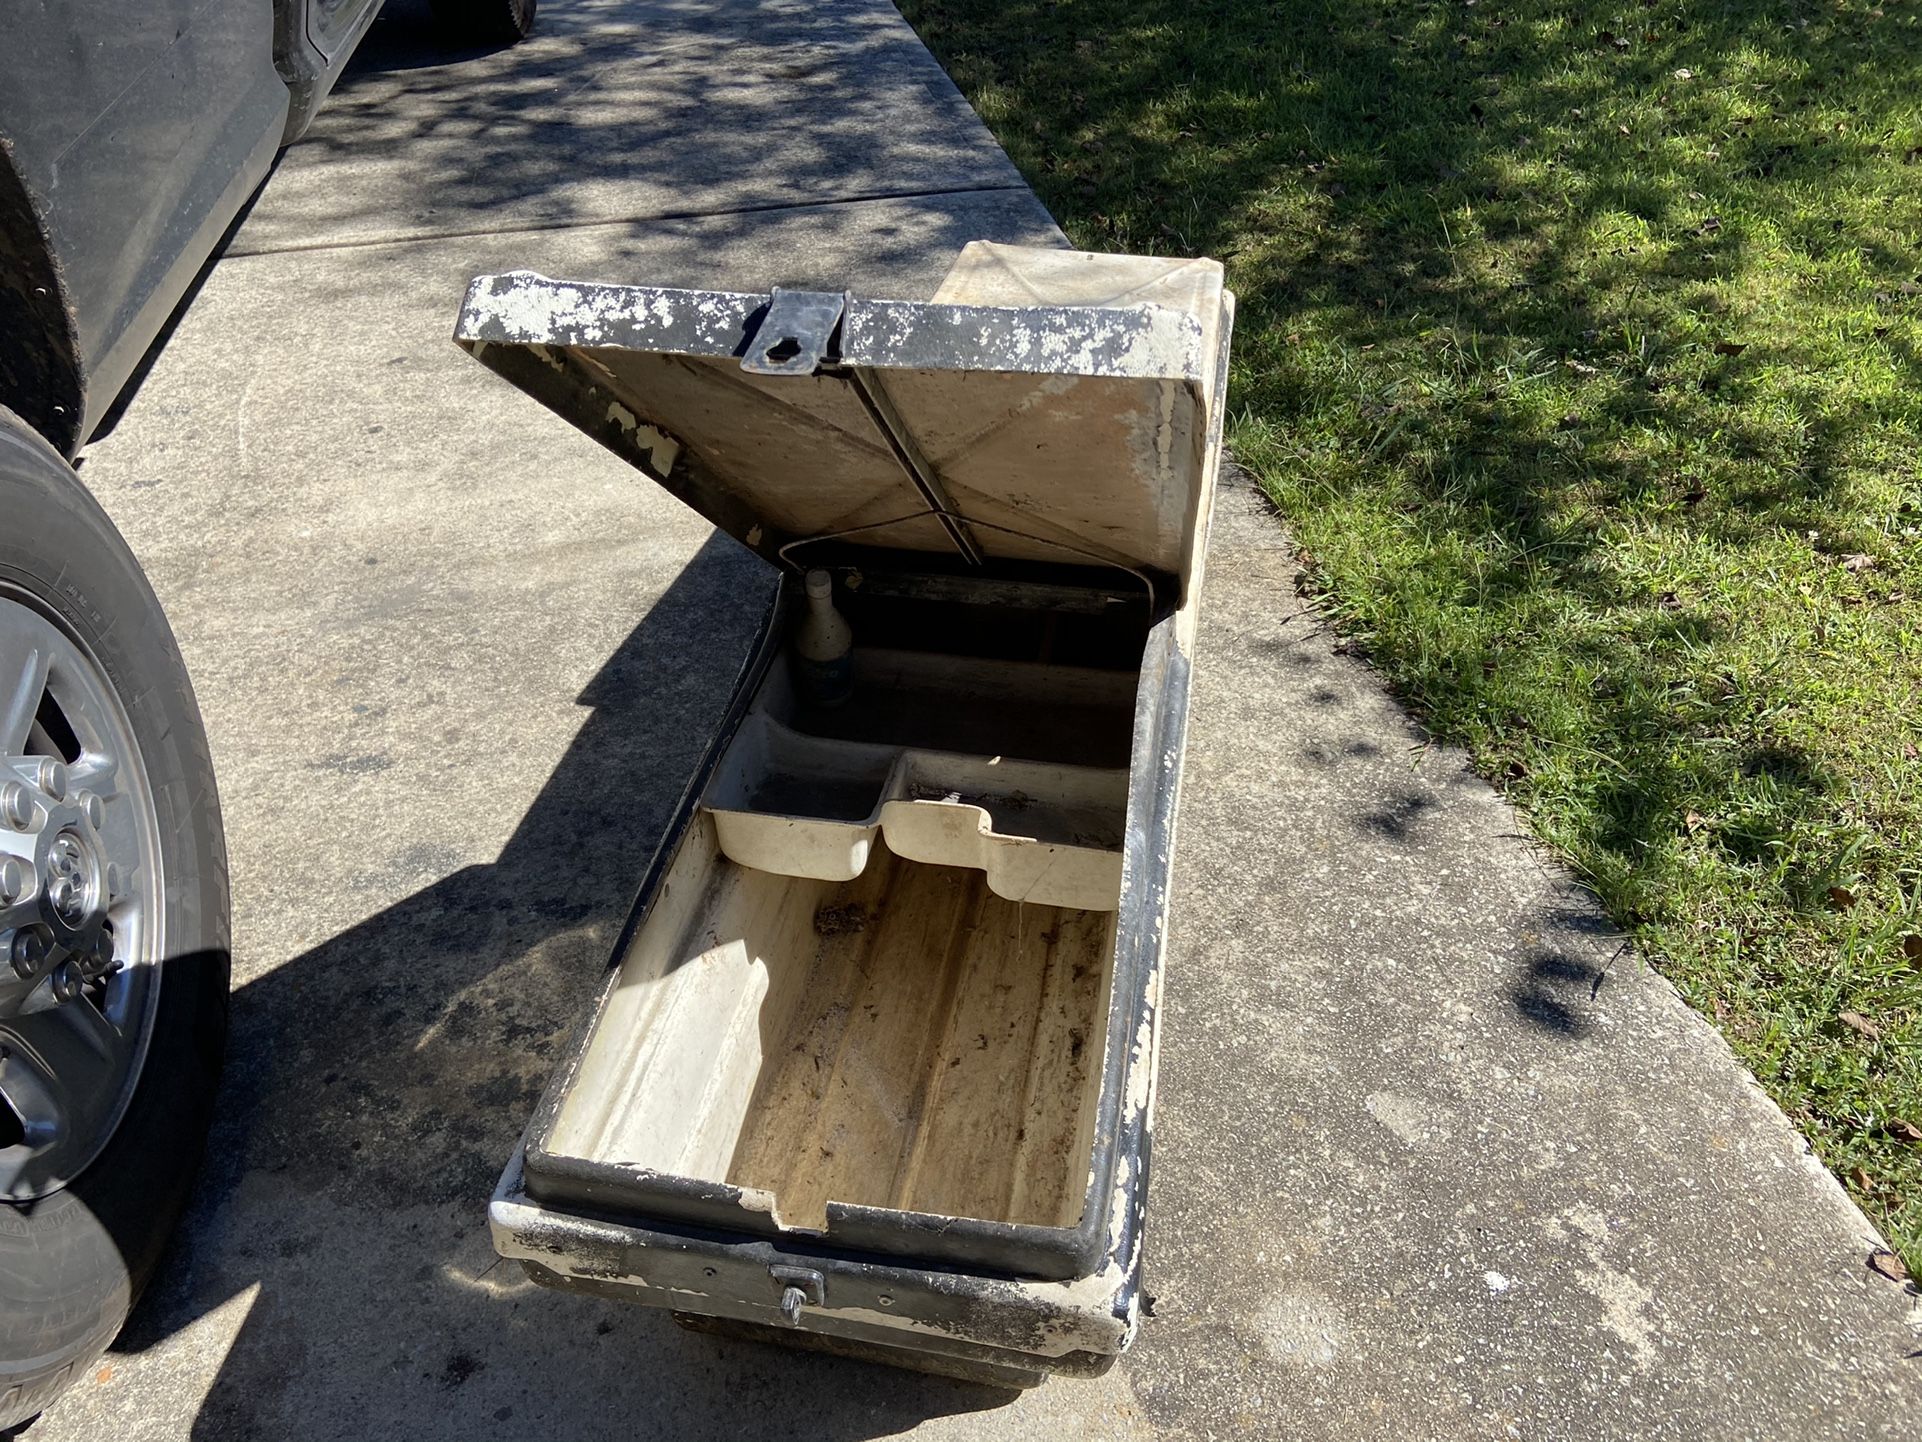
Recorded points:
(1435, 1157)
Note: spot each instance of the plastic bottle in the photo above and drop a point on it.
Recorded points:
(823, 649)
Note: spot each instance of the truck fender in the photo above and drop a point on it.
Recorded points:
(40, 373)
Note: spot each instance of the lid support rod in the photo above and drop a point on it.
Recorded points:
(888, 421)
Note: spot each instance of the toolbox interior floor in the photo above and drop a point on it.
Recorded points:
(930, 1046)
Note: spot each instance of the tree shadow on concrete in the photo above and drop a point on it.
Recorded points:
(377, 1084)
(1338, 140)
(615, 112)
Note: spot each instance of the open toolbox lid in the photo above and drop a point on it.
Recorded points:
(1047, 408)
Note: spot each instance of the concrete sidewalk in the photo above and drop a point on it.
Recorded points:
(1434, 1159)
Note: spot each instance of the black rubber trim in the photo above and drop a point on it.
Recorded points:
(40, 371)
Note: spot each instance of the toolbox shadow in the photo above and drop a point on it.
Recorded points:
(376, 1085)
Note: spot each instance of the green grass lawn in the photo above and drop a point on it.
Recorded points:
(1579, 347)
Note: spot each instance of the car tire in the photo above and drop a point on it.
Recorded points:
(486, 22)
(75, 1256)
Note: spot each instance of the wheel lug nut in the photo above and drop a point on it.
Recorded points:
(67, 981)
(95, 809)
(13, 881)
(53, 779)
(31, 949)
(16, 806)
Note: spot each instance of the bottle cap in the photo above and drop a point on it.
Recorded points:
(820, 585)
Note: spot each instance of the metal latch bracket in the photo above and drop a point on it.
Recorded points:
(796, 333)
(801, 1287)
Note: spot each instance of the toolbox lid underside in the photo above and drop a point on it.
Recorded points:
(1070, 428)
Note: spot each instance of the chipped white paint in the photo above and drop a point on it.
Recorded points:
(1141, 1072)
(1143, 341)
(753, 1199)
(524, 307)
(657, 449)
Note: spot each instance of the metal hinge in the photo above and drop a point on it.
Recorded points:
(796, 333)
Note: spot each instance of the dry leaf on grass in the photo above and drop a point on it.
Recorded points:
(1855, 1021)
(1887, 1264)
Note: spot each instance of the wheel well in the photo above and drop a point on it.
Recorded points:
(40, 377)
